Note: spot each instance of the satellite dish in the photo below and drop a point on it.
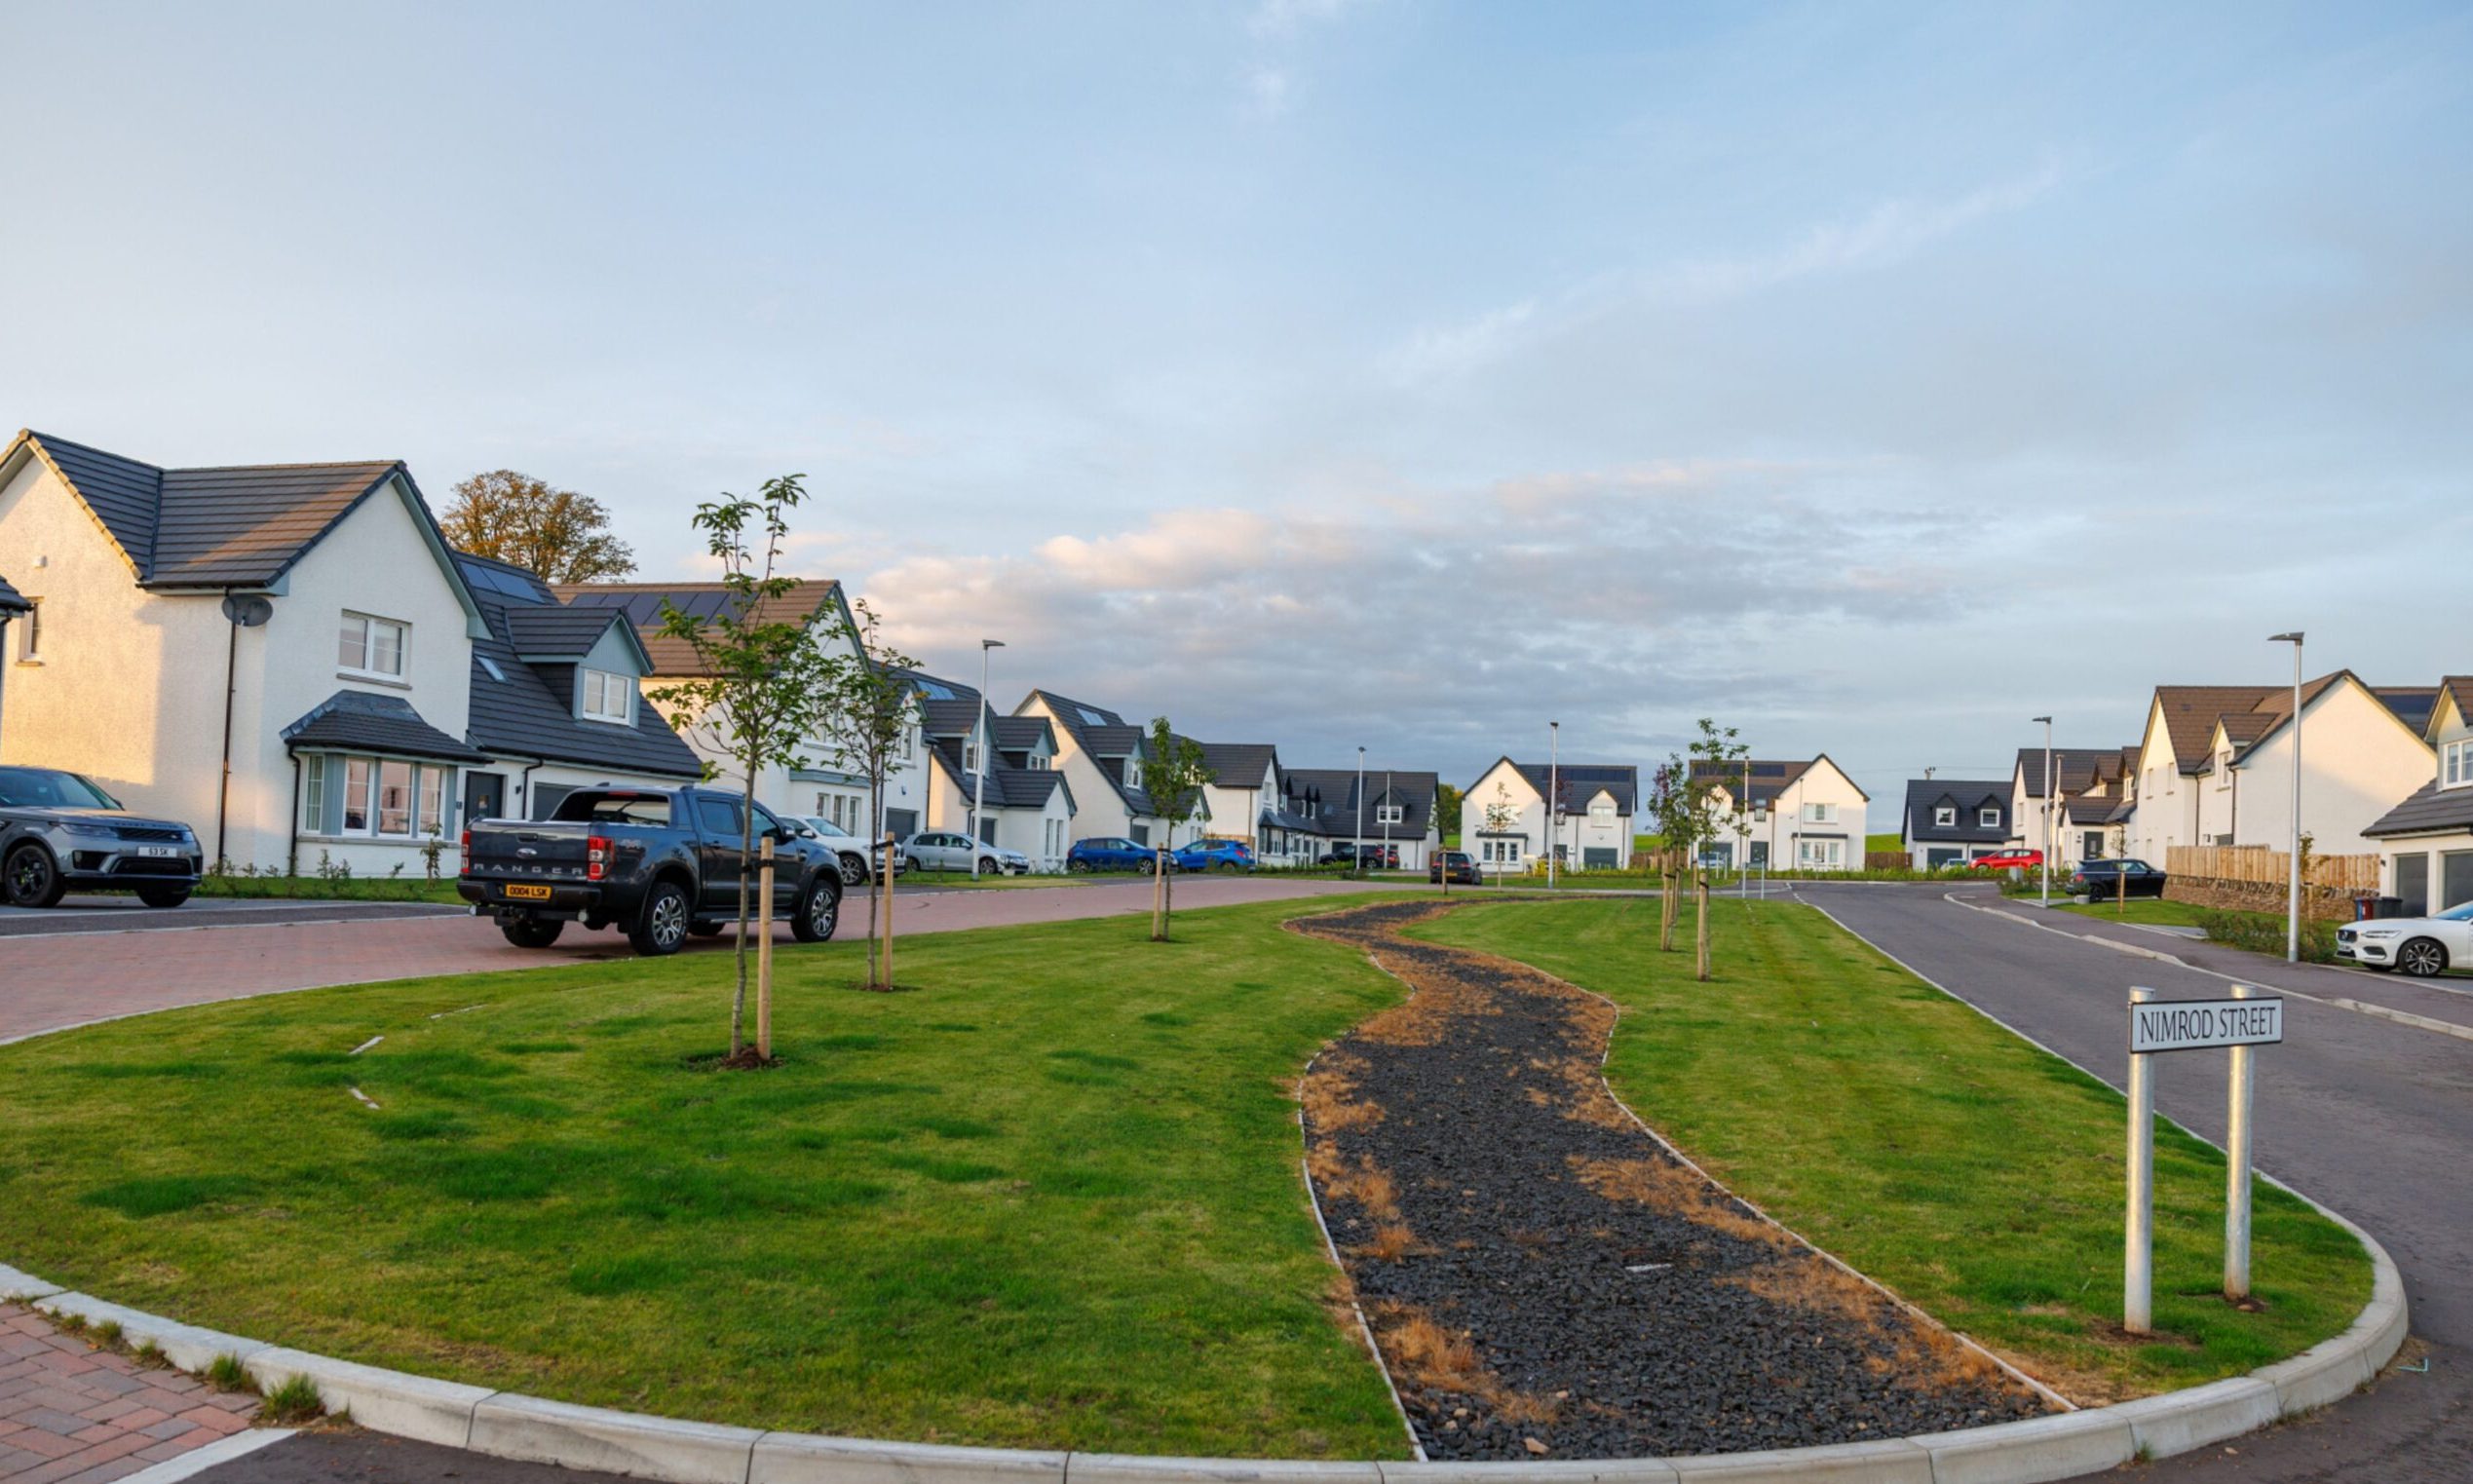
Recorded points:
(246, 610)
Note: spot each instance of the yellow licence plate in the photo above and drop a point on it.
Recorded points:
(522, 893)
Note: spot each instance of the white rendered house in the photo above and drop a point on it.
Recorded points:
(1101, 756)
(1504, 824)
(1792, 816)
(2425, 841)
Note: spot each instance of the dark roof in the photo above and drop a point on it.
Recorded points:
(1582, 780)
(1968, 796)
(2088, 809)
(1322, 801)
(1769, 776)
(554, 632)
(2078, 768)
(241, 526)
(497, 581)
(371, 723)
(2412, 703)
(10, 600)
(2191, 713)
(1240, 765)
(2428, 810)
(642, 604)
(527, 710)
(1103, 733)
(2456, 688)
(1029, 787)
(1022, 734)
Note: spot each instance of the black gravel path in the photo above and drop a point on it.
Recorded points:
(1546, 1279)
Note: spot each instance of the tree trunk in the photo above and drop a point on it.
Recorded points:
(888, 910)
(1159, 894)
(879, 863)
(1700, 928)
(1670, 900)
(747, 844)
(764, 958)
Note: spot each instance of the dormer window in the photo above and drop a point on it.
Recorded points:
(970, 757)
(1601, 812)
(1134, 772)
(1988, 817)
(607, 696)
(1390, 814)
(1945, 816)
(2455, 764)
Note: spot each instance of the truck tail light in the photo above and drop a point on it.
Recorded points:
(596, 857)
(465, 866)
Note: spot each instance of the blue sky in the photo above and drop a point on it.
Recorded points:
(1870, 377)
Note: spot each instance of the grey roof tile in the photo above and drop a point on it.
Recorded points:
(518, 710)
(1969, 797)
(1322, 801)
(641, 603)
(554, 631)
(2427, 809)
(1580, 783)
(362, 721)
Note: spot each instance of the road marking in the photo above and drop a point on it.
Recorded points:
(2374, 1012)
(222, 1450)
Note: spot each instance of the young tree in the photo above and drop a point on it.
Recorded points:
(556, 533)
(1678, 818)
(1719, 761)
(864, 717)
(757, 675)
(1501, 815)
(1174, 776)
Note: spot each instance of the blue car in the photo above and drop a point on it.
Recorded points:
(1215, 855)
(1110, 852)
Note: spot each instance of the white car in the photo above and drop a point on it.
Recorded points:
(950, 851)
(2420, 946)
(851, 849)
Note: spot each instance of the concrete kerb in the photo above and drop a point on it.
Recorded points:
(185, 1346)
(379, 1399)
(510, 1427)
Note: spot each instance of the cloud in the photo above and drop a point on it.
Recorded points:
(1281, 18)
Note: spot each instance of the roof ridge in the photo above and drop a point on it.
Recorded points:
(217, 468)
(40, 436)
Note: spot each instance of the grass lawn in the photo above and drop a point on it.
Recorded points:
(2151, 910)
(1892, 841)
(1895, 1126)
(1052, 1196)
(332, 888)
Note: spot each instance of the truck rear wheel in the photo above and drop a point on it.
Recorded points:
(661, 928)
(532, 932)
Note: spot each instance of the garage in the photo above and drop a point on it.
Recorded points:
(2455, 878)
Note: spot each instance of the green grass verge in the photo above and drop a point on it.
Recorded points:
(330, 887)
(1893, 1125)
(943, 879)
(1892, 841)
(1050, 1198)
(2150, 910)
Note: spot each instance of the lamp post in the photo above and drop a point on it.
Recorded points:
(2293, 889)
(2047, 809)
(1358, 847)
(978, 777)
(1553, 798)
(1386, 818)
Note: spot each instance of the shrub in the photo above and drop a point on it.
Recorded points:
(225, 1374)
(2260, 933)
(294, 1401)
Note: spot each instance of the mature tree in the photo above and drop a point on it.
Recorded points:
(559, 535)
(1174, 776)
(1447, 802)
(864, 718)
(758, 675)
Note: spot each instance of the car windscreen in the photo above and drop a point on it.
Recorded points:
(50, 788)
(2460, 913)
(614, 809)
(827, 828)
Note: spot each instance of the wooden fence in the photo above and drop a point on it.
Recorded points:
(2258, 863)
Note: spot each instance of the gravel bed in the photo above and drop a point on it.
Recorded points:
(1546, 1279)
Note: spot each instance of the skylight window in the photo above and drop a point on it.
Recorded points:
(495, 673)
(1092, 719)
(936, 690)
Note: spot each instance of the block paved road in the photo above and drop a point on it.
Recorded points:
(2370, 1116)
(123, 960)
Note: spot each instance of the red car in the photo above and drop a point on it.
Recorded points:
(2006, 860)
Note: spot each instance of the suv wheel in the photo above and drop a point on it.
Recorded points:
(661, 928)
(2422, 958)
(532, 932)
(163, 898)
(31, 879)
(853, 870)
(818, 915)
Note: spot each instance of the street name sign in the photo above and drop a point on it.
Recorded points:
(2201, 1025)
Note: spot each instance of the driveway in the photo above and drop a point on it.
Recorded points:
(2366, 1112)
(79, 962)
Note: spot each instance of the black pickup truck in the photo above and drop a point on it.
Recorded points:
(657, 864)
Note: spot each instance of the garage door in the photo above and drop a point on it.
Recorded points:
(2413, 883)
(2455, 878)
(1597, 859)
(1936, 857)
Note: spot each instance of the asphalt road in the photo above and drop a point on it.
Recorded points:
(2370, 1116)
(127, 914)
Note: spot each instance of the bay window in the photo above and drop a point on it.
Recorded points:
(375, 798)
(394, 798)
(355, 799)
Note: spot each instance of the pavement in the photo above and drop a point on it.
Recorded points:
(71, 1414)
(2367, 1114)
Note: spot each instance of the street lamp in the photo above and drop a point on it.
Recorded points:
(2047, 809)
(1553, 798)
(2293, 889)
(1358, 849)
(978, 780)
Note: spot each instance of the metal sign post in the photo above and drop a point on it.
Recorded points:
(2157, 1026)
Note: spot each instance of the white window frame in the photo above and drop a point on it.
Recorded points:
(595, 688)
(378, 810)
(1134, 772)
(1944, 815)
(30, 644)
(2455, 764)
(1820, 813)
(1988, 817)
(313, 793)
(361, 792)
(1391, 814)
(371, 624)
(1601, 815)
(969, 756)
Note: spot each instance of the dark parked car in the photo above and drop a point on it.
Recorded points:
(2107, 880)
(1372, 855)
(1216, 856)
(1459, 865)
(655, 864)
(60, 832)
(1110, 852)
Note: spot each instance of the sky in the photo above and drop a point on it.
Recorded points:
(1870, 378)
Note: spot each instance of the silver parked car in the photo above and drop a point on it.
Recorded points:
(947, 850)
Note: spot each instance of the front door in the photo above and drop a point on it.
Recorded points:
(484, 796)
